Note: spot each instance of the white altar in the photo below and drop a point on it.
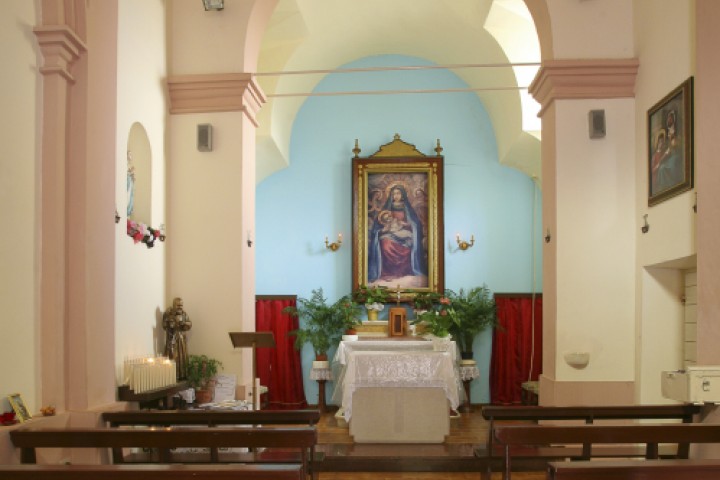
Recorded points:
(396, 390)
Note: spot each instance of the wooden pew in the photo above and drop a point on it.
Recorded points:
(587, 414)
(298, 439)
(151, 472)
(213, 418)
(650, 435)
(696, 469)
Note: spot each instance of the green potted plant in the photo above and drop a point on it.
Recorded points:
(350, 312)
(374, 299)
(200, 372)
(322, 324)
(439, 319)
(475, 311)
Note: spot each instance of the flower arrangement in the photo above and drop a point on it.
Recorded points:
(140, 232)
(425, 300)
(439, 319)
(374, 298)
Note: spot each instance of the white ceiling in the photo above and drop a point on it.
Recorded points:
(325, 34)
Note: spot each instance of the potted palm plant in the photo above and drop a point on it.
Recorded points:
(322, 324)
(201, 370)
(475, 311)
(349, 311)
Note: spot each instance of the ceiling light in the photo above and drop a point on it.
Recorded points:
(213, 4)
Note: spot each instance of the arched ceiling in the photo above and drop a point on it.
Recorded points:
(307, 35)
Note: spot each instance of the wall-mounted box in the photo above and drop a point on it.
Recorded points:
(698, 384)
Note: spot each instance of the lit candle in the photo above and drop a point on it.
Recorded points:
(457, 237)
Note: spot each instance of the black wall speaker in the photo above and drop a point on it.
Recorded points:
(596, 122)
(204, 137)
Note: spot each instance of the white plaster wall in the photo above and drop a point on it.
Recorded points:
(19, 170)
(666, 60)
(595, 241)
(206, 230)
(592, 28)
(659, 347)
(208, 41)
(141, 97)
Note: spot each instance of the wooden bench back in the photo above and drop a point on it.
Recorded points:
(591, 413)
(633, 470)
(650, 435)
(588, 414)
(211, 417)
(152, 472)
(301, 438)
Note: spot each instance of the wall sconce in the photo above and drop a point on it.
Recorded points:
(548, 237)
(117, 216)
(646, 225)
(462, 244)
(335, 245)
(213, 4)
(249, 239)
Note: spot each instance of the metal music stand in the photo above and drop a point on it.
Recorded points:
(254, 340)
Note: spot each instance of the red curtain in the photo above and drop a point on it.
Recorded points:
(279, 368)
(512, 352)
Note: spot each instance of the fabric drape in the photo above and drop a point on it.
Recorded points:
(513, 354)
(279, 368)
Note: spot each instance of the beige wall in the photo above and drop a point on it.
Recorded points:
(141, 97)
(669, 245)
(19, 167)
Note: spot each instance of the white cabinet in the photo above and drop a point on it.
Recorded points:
(698, 384)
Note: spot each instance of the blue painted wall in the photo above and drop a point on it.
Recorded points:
(311, 199)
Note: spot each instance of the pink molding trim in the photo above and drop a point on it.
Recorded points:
(60, 47)
(584, 79)
(227, 92)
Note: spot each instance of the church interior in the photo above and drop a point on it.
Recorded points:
(207, 152)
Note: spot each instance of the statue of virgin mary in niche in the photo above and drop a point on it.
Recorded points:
(130, 185)
(395, 242)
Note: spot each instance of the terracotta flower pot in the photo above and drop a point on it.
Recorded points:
(204, 395)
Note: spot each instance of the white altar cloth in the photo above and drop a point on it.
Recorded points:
(346, 348)
(416, 369)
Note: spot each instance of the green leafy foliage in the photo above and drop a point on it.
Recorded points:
(475, 311)
(201, 369)
(322, 324)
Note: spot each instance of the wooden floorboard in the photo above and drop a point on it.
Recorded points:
(452, 460)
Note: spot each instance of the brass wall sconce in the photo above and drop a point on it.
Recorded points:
(462, 244)
(335, 245)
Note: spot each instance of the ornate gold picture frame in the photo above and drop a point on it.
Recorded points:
(18, 406)
(398, 219)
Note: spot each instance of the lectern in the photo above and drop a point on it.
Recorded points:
(254, 340)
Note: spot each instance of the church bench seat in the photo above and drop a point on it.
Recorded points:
(685, 469)
(152, 472)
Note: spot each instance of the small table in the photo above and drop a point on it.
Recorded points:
(468, 373)
(321, 375)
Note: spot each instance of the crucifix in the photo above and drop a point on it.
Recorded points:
(397, 318)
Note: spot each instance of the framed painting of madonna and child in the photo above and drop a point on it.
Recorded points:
(670, 144)
(398, 220)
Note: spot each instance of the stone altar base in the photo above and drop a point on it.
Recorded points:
(400, 415)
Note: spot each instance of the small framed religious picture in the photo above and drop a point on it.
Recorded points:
(18, 405)
(670, 144)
